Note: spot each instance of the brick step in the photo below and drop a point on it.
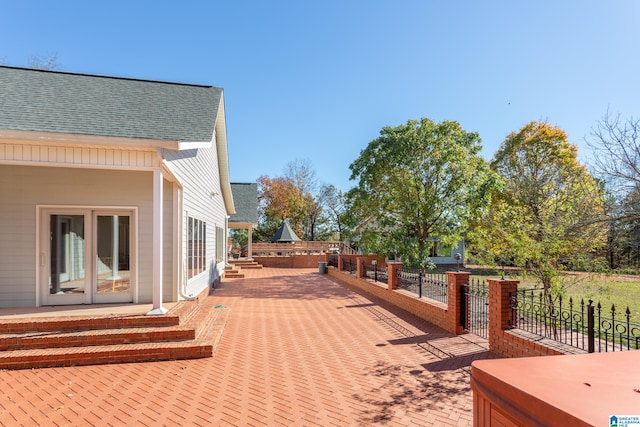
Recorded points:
(105, 354)
(242, 262)
(246, 264)
(201, 324)
(34, 340)
(53, 324)
(234, 276)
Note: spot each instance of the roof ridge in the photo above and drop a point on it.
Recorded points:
(108, 77)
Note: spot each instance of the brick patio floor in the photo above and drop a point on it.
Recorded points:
(299, 349)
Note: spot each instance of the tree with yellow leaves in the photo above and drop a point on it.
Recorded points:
(550, 208)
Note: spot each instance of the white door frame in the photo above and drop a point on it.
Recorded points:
(90, 294)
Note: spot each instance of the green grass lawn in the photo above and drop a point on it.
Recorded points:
(615, 289)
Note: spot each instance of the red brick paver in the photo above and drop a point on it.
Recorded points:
(299, 349)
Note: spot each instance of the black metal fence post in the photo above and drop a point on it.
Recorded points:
(464, 295)
(420, 284)
(591, 332)
(513, 301)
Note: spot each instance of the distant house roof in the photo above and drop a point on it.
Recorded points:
(245, 199)
(69, 103)
(285, 233)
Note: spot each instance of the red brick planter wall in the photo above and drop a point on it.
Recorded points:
(294, 261)
(432, 311)
(503, 338)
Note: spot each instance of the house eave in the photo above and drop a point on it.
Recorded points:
(223, 159)
(192, 145)
(31, 137)
(241, 224)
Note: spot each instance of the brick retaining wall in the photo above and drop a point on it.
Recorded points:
(293, 261)
(434, 312)
(504, 337)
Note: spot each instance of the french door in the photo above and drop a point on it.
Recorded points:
(87, 256)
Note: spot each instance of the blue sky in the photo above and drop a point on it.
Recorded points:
(318, 80)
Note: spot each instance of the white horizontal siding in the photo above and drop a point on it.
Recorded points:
(198, 172)
(23, 188)
(77, 156)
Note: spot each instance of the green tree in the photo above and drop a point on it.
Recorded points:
(239, 238)
(550, 210)
(417, 181)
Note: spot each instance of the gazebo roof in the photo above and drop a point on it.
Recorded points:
(285, 234)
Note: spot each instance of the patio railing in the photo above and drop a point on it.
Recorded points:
(429, 285)
(301, 248)
(376, 272)
(578, 324)
(475, 307)
(349, 265)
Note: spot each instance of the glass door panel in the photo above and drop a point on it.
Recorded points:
(113, 258)
(67, 259)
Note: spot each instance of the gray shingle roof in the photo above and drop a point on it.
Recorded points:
(245, 199)
(50, 101)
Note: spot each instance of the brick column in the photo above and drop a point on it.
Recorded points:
(392, 273)
(500, 312)
(455, 280)
(359, 267)
(339, 262)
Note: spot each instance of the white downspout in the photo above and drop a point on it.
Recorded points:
(180, 259)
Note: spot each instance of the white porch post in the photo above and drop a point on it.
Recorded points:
(157, 244)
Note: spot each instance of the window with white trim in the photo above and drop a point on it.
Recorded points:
(196, 247)
(220, 244)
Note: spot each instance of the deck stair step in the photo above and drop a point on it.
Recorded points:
(233, 272)
(255, 266)
(233, 275)
(190, 330)
(246, 264)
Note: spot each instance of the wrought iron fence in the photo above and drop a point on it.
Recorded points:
(474, 311)
(581, 325)
(429, 285)
(333, 261)
(376, 272)
(349, 265)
